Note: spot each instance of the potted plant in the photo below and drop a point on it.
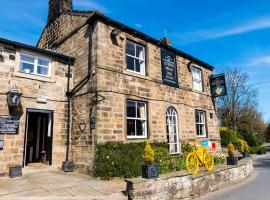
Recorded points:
(231, 159)
(246, 150)
(149, 169)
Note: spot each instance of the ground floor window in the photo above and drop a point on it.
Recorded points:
(200, 123)
(136, 119)
(172, 130)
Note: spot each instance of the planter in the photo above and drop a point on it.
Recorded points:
(15, 171)
(150, 171)
(67, 166)
(232, 161)
(246, 155)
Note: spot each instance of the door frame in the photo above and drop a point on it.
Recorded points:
(43, 111)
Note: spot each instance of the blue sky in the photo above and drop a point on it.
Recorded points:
(222, 33)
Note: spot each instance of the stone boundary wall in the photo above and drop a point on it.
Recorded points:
(180, 185)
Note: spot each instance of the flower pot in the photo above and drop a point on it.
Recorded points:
(150, 171)
(232, 161)
(246, 155)
(15, 171)
(67, 166)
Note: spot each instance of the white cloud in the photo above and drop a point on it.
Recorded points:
(258, 61)
(90, 5)
(225, 31)
(139, 25)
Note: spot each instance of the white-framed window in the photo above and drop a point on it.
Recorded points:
(136, 119)
(33, 64)
(172, 130)
(135, 55)
(197, 78)
(200, 123)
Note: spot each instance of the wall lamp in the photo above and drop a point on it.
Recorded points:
(1, 144)
(117, 32)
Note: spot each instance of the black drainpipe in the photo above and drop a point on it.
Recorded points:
(75, 89)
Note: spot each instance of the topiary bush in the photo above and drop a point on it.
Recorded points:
(258, 150)
(149, 154)
(228, 136)
(231, 151)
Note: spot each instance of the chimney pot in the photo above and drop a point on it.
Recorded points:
(58, 6)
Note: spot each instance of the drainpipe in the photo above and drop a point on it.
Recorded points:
(68, 94)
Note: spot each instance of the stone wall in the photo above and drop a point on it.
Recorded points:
(117, 84)
(180, 185)
(53, 89)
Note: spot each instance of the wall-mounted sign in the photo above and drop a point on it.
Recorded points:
(218, 85)
(9, 124)
(169, 68)
(14, 97)
(92, 122)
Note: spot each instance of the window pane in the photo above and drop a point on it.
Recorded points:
(42, 70)
(197, 116)
(140, 52)
(131, 109)
(130, 48)
(130, 63)
(141, 110)
(137, 65)
(27, 58)
(27, 68)
(140, 127)
(43, 62)
(130, 127)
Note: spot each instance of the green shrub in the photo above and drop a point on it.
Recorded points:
(166, 162)
(231, 151)
(218, 160)
(228, 136)
(250, 138)
(258, 150)
(120, 160)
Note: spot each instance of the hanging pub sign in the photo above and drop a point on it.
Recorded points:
(14, 97)
(169, 68)
(218, 85)
(9, 124)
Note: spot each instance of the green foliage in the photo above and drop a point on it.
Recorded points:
(218, 160)
(125, 160)
(250, 138)
(228, 136)
(166, 162)
(231, 151)
(258, 150)
(149, 154)
(187, 147)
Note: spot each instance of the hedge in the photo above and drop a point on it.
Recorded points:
(125, 160)
(258, 150)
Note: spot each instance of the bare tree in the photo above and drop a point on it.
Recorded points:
(240, 96)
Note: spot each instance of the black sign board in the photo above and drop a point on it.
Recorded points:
(92, 122)
(218, 85)
(169, 68)
(9, 124)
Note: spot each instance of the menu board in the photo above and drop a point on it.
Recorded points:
(169, 68)
(9, 124)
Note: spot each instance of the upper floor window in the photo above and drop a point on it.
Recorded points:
(136, 119)
(36, 65)
(200, 123)
(135, 57)
(197, 79)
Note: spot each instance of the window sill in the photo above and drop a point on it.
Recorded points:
(34, 77)
(136, 137)
(128, 71)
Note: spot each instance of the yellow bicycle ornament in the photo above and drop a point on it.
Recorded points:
(199, 157)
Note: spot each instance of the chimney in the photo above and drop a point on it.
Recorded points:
(165, 40)
(58, 6)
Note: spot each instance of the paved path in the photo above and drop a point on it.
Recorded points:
(59, 185)
(256, 187)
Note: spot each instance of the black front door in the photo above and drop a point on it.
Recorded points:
(38, 137)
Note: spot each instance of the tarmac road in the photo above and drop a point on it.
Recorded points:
(256, 187)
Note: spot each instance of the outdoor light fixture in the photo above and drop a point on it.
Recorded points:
(1, 144)
(117, 32)
(14, 97)
(1, 56)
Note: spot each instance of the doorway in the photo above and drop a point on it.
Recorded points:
(38, 137)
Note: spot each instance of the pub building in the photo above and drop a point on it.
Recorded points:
(125, 86)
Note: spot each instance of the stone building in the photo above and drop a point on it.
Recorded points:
(37, 77)
(131, 85)
(124, 86)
